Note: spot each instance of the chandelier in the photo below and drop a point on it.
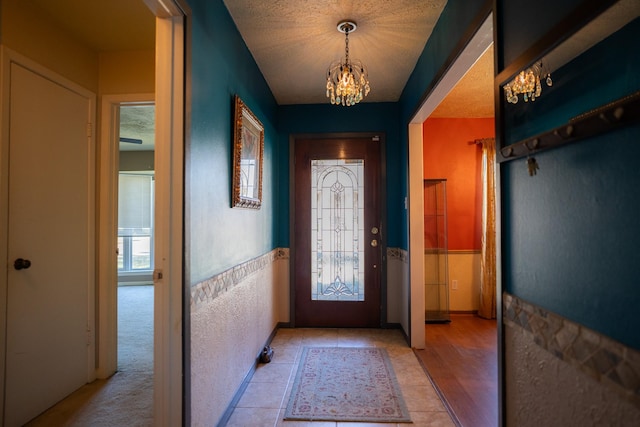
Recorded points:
(347, 80)
(527, 83)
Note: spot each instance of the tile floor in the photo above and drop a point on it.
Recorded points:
(267, 394)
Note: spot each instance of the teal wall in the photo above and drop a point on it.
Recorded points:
(326, 118)
(217, 236)
(570, 233)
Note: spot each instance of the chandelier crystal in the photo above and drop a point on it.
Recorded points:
(528, 84)
(347, 80)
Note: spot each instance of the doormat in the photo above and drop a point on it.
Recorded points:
(346, 384)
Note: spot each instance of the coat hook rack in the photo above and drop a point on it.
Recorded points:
(622, 112)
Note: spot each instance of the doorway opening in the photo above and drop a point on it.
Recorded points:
(135, 238)
(441, 121)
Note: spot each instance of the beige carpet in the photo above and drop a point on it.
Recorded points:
(125, 399)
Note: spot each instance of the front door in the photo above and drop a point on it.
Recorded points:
(50, 245)
(337, 232)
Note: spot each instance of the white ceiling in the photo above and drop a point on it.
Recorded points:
(472, 96)
(137, 122)
(294, 41)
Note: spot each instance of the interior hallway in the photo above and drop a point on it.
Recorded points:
(265, 399)
(462, 359)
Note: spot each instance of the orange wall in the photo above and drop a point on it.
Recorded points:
(449, 153)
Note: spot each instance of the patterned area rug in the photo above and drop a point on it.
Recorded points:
(346, 384)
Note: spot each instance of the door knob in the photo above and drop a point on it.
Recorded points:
(21, 264)
(374, 243)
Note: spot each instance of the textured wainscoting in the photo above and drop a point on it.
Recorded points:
(232, 317)
(559, 372)
(220, 283)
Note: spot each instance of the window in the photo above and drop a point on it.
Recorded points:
(135, 221)
(337, 233)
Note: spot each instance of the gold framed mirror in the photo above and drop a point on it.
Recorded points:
(248, 151)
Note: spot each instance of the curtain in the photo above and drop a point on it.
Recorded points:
(487, 307)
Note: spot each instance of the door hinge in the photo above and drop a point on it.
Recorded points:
(157, 275)
(89, 337)
(89, 130)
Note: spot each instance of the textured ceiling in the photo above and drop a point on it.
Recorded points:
(138, 122)
(472, 97)
(293, 42)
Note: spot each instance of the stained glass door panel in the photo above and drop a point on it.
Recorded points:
(337, 246)
(337, 230)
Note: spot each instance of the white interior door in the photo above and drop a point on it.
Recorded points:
(49, 318)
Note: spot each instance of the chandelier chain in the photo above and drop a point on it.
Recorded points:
(346, 45)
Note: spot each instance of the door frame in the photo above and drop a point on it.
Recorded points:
(4, 212)
(480, 42)
(7, 57)
(382, 214)
(108, 168)
(170, 336)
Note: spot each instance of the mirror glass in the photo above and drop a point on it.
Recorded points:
(597, 65)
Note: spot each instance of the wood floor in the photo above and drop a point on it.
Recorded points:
(461, 358)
